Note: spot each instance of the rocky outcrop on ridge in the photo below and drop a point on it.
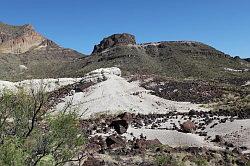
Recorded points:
(114, 40)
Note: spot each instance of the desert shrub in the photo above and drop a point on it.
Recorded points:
(12, 152)
(29, 135)
(162, 160)
(199, 161)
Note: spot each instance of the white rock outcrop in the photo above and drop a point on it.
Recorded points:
(101, 74)
(112, 94)
(47, 85)
(50, 84)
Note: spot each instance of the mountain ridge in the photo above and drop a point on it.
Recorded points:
(168, 58)
(177, 59)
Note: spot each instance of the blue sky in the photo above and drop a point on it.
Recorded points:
(79, 24)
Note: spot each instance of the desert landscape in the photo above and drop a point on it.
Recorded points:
(159, 103)
(140, 116)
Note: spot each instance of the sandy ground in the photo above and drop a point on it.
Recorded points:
(171, 137)
(236, 132)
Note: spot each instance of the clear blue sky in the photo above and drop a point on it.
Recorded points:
(79, 24)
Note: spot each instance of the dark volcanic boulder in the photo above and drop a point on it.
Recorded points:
(115, 141)
(237, 150)
(114, 40)
(122, 122)
(218, 139)
(120, 126)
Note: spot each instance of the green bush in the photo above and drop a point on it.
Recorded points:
(162, 160)
(29, 135)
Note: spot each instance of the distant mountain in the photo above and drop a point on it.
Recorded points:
(24, 53)
(181, 59)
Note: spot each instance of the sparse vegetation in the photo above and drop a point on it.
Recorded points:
(200, 161)
(162, 160)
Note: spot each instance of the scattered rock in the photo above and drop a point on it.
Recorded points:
(91, 161)
(204, 134)
(243, 147)
(120, 126)
(228, 144)
(223, 120)
(218, 139)
(127, 117)
(192, 112)
(237, 150)
(115, 141)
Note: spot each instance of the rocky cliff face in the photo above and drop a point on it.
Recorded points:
(127, 42)
(114, 40)
(38, 56)
(18, 39)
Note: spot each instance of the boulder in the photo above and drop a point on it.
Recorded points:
(192, 112)
(115, 141)
(218, 139)
(121, 123)
(188, 126)
(120, 126)
(237, 150)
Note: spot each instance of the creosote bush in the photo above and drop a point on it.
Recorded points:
(29, 135)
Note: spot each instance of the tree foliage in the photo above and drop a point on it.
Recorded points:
(30, 135)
